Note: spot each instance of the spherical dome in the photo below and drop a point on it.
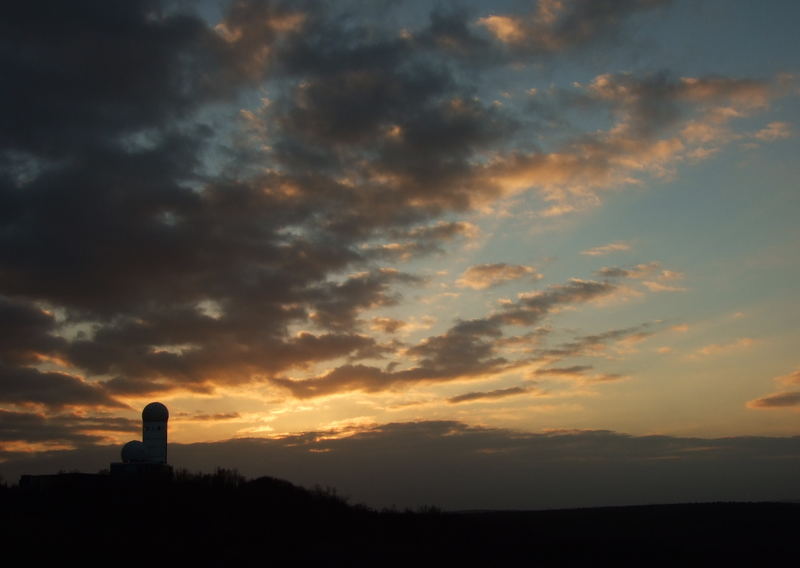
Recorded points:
(155, 412)
(133, 452)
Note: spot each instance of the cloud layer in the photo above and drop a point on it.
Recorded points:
(190, 206)
(455, 466)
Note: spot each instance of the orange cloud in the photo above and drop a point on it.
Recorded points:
(387, 325)
(572, 177)
(558, 25)
(716, 349)
(784, 399)
(788, 399)
(774, 131)
(483, 276)
(654, 286)
(607, 249)
(791, 379)
(504, 28)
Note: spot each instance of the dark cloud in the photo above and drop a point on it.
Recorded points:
(613, 272)
(89, 74)
(187, 196)
(230, 362)
(336, 305)
(21, 385)
(455, 466)
(421, 240)
(31, 427)
(590, 344)
(650, 105)
(122, 211)
(26, 333)
(199, 417)
(57, 430)
(778, 400)
(451, 30)
(490, 395)
(342, 379)
(470, 348)
(387, 325)
(575, 370)
(784, 399)
(139, 387)
(530, 309)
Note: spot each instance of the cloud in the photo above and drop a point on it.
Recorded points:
(784, 399)
(717, 348)
(23, 433)
(458, 466)
(23, 385)
(422, 240)
(115, 85)
(26, 333)
(215, 417)
(777, 400)
(596, 344)
(638, 271)
(607, 249)
(157, 237)
(483, 276)
(158, 230)
(469, 349)
(557, 25)
(658, 122)
(607, 378)
(792, 378)
(336, 305)
(655, 286)
(774, 131)
(657, 279)
(27, 340)
(575, 370)
(491, 395)
(664, 281)
(387, 325)
(579, 373)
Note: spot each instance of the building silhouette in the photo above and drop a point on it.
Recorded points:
(142, 460)
(147, 457)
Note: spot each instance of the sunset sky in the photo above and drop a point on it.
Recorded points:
(392, 224)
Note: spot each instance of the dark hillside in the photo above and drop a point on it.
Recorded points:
(223, 519)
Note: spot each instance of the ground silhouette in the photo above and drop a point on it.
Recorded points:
(223, 518)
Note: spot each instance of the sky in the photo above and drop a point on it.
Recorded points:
(385, 245)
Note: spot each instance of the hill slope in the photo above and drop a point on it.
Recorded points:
(224, 519)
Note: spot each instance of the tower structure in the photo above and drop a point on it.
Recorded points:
(154, 432)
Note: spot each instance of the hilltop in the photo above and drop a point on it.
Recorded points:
(222, 518)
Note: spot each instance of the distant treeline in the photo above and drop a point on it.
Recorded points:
(222, 519)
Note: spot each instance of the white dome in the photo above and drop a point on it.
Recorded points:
(155, 412)
(134, 452)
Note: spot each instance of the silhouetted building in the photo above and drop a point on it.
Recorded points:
(144, 460)
(149, 457)
(154, 432)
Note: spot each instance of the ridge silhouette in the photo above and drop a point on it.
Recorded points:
(223, 518)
